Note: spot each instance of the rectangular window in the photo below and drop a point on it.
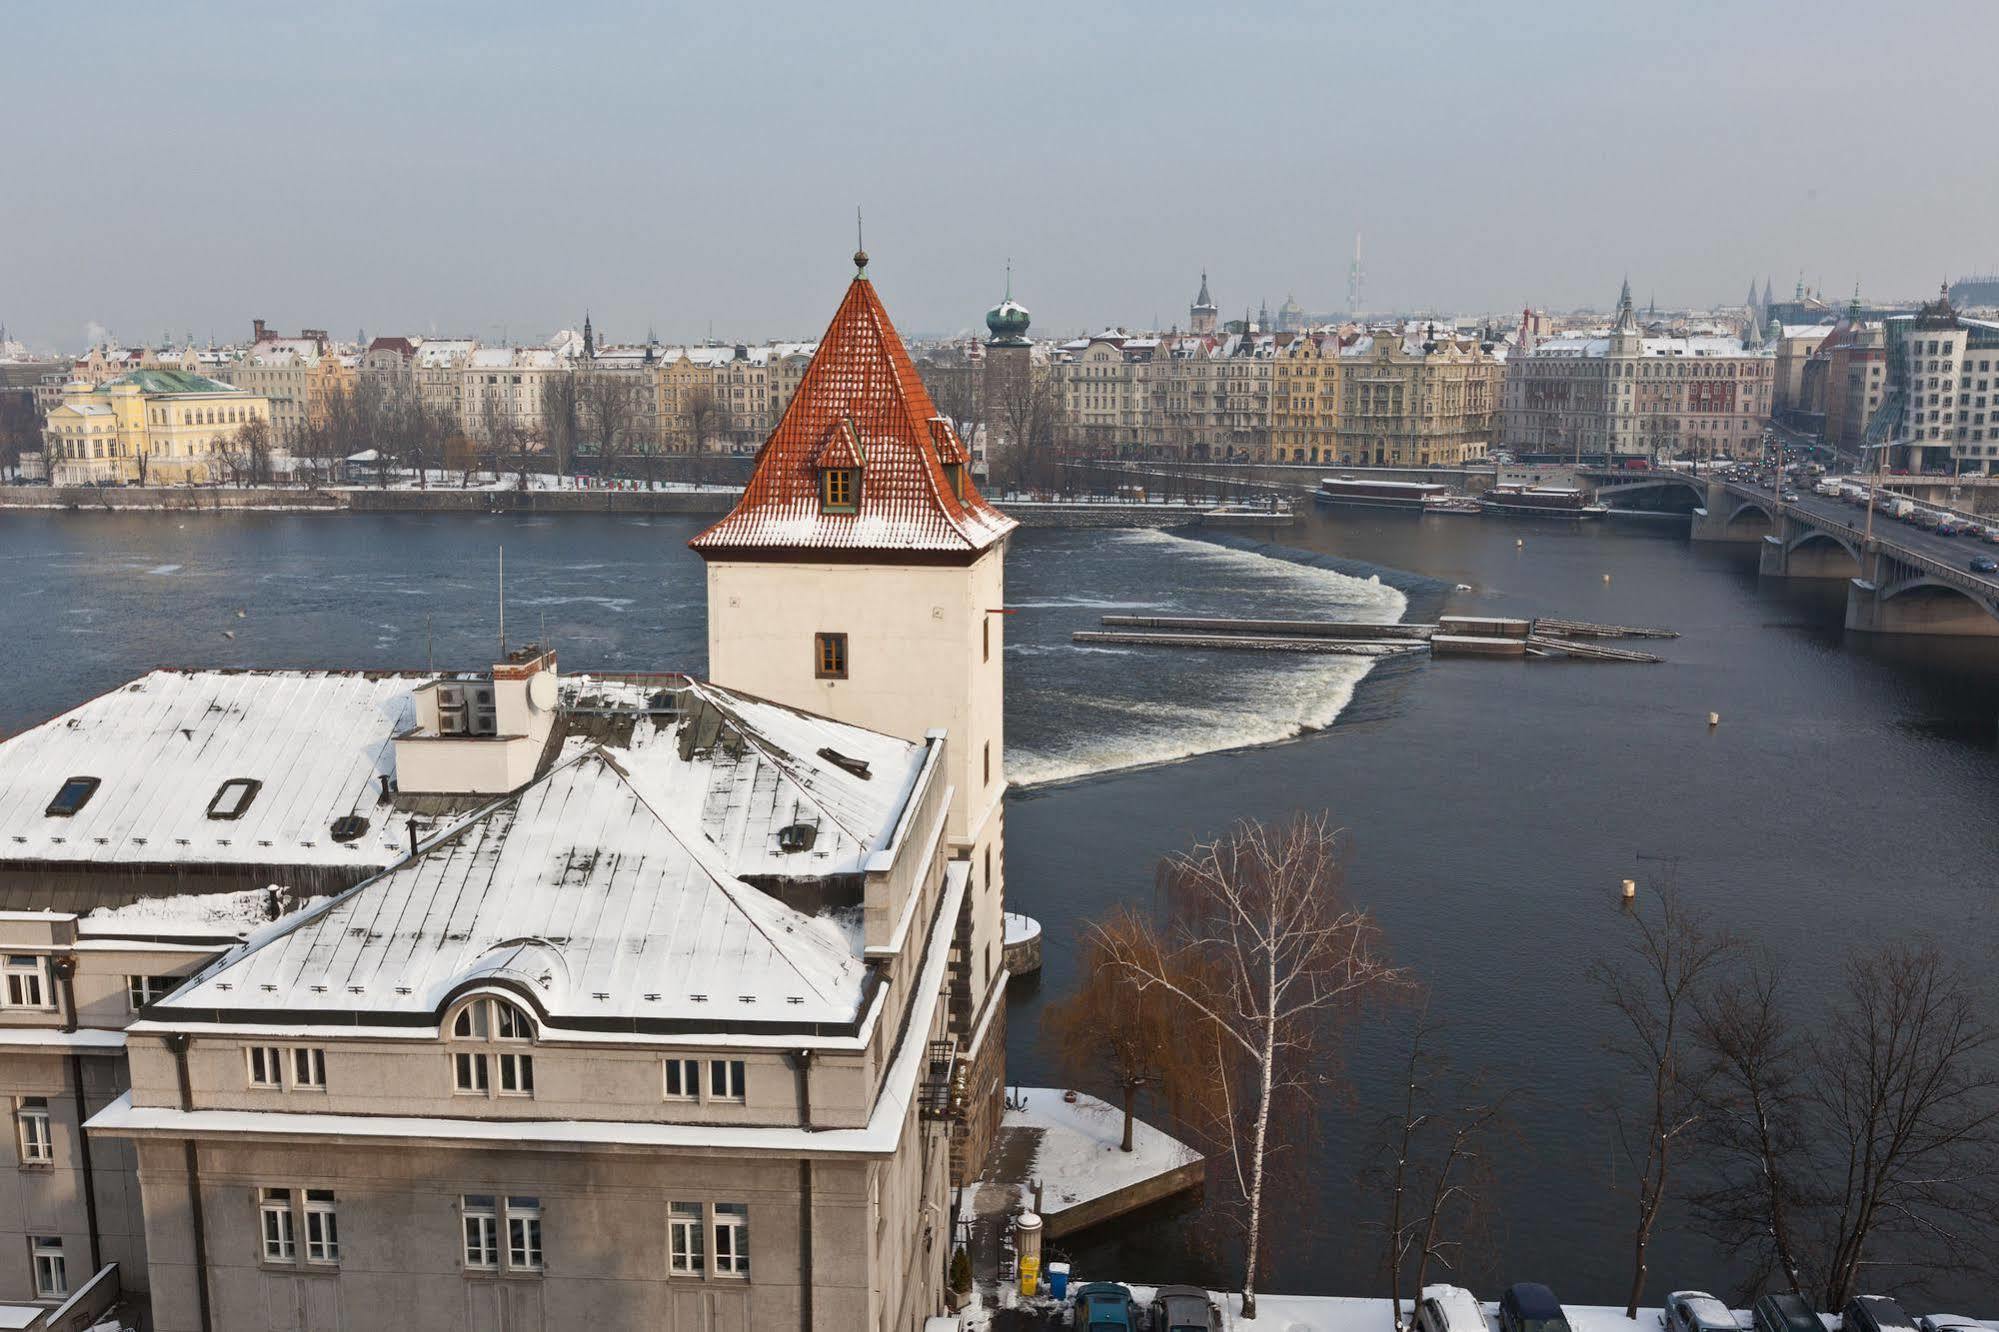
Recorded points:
(987, 754)
(524, 1234)
(732, 1239)
(683, 1079)
(837, 489)
(482, 1232)
(143, 990)
(309, 1068)
(71, 796)
(725, 1079)
(829, 656)
(266, 1066)
(469, 1073)
(322, 1227)
(683, 1240)
(37, 1146)
(274, 1212)
(516, 1075)
(51, 1272)
(26, 987)
(986, 639)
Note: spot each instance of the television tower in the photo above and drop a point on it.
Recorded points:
(1354, 277)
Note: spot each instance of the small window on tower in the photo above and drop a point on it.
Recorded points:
(837, 490)
(829, 656)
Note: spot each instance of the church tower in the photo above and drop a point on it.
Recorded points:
(862, 576)
(1203, 313)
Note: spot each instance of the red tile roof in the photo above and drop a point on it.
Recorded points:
(861, 403)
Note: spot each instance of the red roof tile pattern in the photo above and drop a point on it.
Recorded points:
(860, 397)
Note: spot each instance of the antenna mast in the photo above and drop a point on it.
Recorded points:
(503, 603)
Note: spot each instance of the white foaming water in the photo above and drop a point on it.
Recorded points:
(1177, 705)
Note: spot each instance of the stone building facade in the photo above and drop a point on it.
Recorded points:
(166, 427)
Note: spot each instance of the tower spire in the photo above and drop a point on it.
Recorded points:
(860, 246)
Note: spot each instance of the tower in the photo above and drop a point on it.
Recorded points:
(862, 576)
(1354, 278)
(1201, 315)
(1627, 344)
(589, 339)
(1009, 364)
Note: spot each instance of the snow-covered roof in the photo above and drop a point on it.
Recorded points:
(1595, 343)
(576, 893)
(161, 747)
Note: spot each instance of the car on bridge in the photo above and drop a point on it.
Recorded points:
(1984, 564)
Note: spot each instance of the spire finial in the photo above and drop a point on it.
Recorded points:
(1009, 279)
(860, 247)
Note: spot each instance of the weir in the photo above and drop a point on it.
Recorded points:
(1451, 635)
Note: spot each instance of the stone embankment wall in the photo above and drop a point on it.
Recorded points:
(195, 499)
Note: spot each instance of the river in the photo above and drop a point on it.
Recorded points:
(1494, 806)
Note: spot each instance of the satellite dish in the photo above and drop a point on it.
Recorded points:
(541, 691)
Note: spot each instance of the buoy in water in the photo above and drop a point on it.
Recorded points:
(1630, 890)
(1606, 578)
(1518, 543)
(1713, 720)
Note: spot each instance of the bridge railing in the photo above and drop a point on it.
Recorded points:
(1915, 559)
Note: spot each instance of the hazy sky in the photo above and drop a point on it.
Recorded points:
(481, 168)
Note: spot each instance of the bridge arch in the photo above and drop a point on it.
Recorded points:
(1807, 535)
(1745, 507)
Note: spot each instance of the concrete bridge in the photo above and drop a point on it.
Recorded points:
(1902, 581)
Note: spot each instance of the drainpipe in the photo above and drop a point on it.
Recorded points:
(178, 1043)
(801, 1065)
(65, 973)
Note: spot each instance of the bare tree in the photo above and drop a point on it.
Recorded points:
(1437, 1195)
(20, 428)
(252, 449)
(954, 389)
(1027, 416)
(708, 417)
(610, 408)
(1109, 1027)
(1667, 963)
(1260, 959)
(562, 418)
(1869, 1145)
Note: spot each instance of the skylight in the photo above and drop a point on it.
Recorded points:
(74, 795)
(233, 797)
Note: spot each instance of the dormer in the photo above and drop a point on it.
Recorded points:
(950, 454)
(480, 735)
(838, 461)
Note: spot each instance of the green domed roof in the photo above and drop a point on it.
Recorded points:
(1008, 322)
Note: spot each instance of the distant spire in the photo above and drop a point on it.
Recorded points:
(860, 246)
(1769, 298)
(1853, 310)
(589, 338)
(1624, 296)
(1751, 302)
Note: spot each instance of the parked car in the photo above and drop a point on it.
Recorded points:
(1984, 564)
(1785, 1313)
(1184, 1309)
(1696, 1311)
(1949, 1323)
(1449, 1309)
(1874, 1313)
(1529, 1306)
(1105, 1306)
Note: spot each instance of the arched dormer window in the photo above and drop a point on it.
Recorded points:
(486, 1035)
(839, 461)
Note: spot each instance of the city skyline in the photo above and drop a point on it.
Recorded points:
(402, 172)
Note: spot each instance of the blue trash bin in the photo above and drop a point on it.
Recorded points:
(1058, 1280)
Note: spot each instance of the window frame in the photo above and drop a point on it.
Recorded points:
(141, 990)
(525, 1212)
(264, 1067)
(322, 1214)
(736, 1265)
(36, 1148)
(277, 1227)
(26, 974)
(732, 1076)
(829, 655)
(686, 1235)
(846, 481)
(246, 789)
(59, 808)
(307, 1069)
(483, 1211)
(46, 1253)
(687, 1071)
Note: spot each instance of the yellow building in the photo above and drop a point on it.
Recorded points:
(333, 376)
(161, 427)
(1305, 401)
